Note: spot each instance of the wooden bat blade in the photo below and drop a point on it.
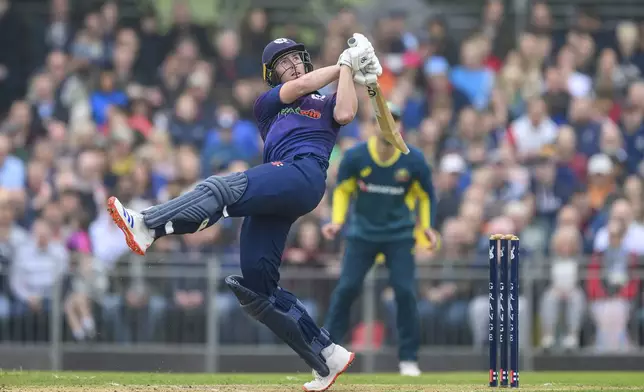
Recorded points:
(385, 120)
(383, 114)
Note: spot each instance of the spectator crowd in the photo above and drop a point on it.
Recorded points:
(537, 132)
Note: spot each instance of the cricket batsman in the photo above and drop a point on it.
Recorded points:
(392, 192)
(299, 128)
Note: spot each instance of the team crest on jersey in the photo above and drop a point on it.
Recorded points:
(365, 172)
(402, 175)
(277, 163)
(310, 113)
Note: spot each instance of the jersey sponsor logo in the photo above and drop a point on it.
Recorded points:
(365, 172)
(277, 163)
(402, 175)
(318, 97)
(310, 113)
(380, 189)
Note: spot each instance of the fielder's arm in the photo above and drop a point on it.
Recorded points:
(346, 186)
(423, 189)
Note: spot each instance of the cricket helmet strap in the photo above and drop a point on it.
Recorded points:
(276, 49)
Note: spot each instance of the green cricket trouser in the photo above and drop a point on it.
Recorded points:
(359, 257)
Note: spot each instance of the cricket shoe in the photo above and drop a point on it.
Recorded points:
(338, 359)
(137, 235)
(409, 368)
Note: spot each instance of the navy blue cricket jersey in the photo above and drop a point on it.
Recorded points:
(304, 126)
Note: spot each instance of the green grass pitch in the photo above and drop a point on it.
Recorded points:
(29, 381)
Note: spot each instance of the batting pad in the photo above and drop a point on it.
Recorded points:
(285, 315)
(201, 207)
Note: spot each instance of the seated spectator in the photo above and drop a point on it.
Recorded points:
(556, 94)
(587, 129)
(529, 134)
(88, 48)
(418, 107)
(563, 289)
(578, 83)
(634, 189)
(630, 58)
(567, 154)
(144, 303)
(472, 77)
(105, 97)
(633, 240)
(612, 289)
(12, 169)
(632, 126)
(551, 188)
(38, 265)
(601, 180)
(185, 127)
(12, 237)
(232, 139)
(88, 282)
(451, 169)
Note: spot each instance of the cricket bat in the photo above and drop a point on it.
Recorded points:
(383, 115)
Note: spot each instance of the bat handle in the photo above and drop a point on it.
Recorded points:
(352, 42)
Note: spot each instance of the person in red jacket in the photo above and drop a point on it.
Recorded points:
(611, 289)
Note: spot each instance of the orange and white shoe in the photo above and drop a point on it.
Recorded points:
(137, 235)
(338, 359)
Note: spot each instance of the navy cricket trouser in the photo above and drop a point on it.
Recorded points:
(276, 195)
(359, 257)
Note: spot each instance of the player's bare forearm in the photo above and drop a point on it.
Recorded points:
(346, 100)
(308, 83)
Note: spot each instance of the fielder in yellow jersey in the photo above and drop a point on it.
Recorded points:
(392, 200)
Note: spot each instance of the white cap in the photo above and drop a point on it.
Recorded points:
(452, 163)
(600, 164)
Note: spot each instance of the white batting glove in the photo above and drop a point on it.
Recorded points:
(374, 66)
(357, 58)
(345, 59)
(362, 41)
(365, 78)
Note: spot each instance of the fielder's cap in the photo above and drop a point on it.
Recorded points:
(396, 113)
(436, 65)
(452, 163)
(600, 164)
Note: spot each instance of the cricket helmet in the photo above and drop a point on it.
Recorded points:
(274, 51)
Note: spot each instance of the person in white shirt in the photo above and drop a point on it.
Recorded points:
(38, 265)
(530, 133)
(634, 237)
(566, 247)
